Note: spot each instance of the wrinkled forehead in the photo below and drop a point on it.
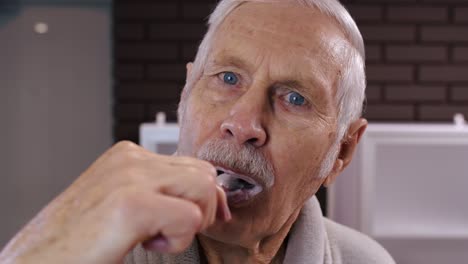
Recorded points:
(281, 26)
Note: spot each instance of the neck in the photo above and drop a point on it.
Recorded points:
(270, 249)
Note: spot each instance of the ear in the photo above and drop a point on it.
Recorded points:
(347, 149)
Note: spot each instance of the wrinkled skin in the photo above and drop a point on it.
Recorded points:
(130, 195)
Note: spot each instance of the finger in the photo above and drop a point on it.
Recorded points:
(161, 244)
(223, 212)
(190, 161)
(195, 184)
(173, 219)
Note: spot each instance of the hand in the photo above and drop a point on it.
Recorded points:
(129, 195)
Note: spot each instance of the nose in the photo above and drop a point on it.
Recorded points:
(245, 121)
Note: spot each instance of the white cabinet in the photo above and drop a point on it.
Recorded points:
(160, 137)
(407, 188)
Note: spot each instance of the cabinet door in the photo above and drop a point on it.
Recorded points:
(407, 189)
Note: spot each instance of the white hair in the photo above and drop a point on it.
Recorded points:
(351, 84)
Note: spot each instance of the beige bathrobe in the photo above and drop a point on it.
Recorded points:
(313, 239)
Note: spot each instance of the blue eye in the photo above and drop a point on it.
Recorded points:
(295, 99)
(230, 78)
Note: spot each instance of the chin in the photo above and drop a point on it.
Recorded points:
(247, 224)
(234, 232)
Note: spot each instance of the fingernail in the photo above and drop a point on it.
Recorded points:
(223, 213)
(227, 213)
(214, 171)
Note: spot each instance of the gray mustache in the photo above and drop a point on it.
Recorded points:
(245, 159)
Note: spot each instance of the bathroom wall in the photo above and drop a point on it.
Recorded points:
(55, 101)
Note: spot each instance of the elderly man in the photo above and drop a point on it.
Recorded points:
(270, 112)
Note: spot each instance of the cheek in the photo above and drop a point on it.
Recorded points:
(200, 121)
(303, 152)
(298, 160)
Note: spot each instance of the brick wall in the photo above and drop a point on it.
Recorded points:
(153, 42)
(417, 58)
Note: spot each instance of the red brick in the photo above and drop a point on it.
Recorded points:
(445, 33)
(129, 31)
(461, 14)
(146, 51)
(417, 14)
(197, 10)
(365, 12)
(373, 93)
(177, 31)
(127, 131)
(387, 112)
(143, 92)
(189, 51)
(445, 1)
(176, 72)
(170, 109)
(416, 53)
(148, 10)
(385, 1)
(380, 72)
(129, 112)
(405, 93)
(441, 112)
(388, 33)
(373, 52)
(459, 93)
(444, 73)
(460, 54)
(129, 71)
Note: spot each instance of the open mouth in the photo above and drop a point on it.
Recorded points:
(238, 188)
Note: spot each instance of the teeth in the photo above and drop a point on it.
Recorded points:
(238, 188)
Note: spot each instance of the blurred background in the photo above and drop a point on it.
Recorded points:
(76, 76)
